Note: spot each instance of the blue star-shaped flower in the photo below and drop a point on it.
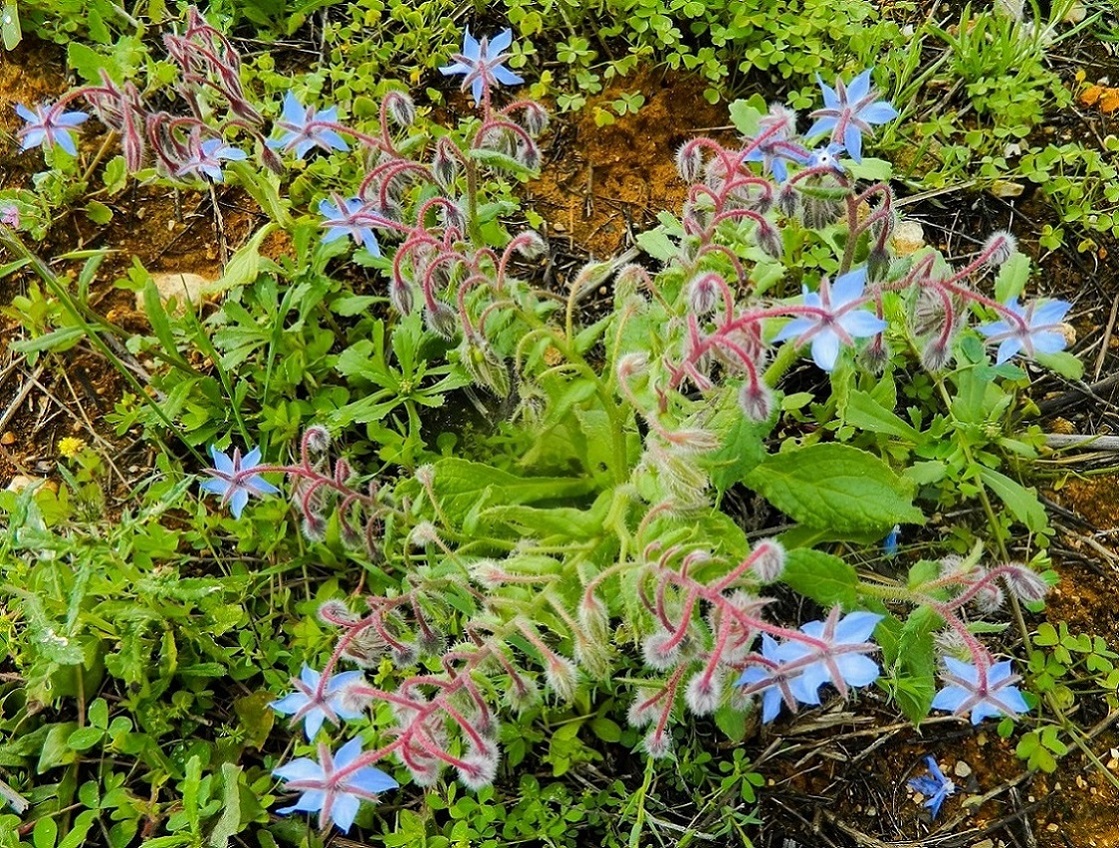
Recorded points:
(773, 682)
(207, 160)
(991, 697)
(312, 707)
(1039, 332)
(843, 662)
(234, 479)
(849, 111)
(839, 324)
(935, 786)
(47, 126)
(482, 62)
(345, 218)
(332, 787)
(305, 127)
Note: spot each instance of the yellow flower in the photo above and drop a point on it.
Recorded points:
(71, 446)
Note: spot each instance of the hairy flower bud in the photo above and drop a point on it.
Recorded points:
(935, 356)
(405, 654)
(485, 367)
(337, 613)
(478, 769)
(442, 319)
(401, 297)
(755, 400)
(657, 744)
(1026, 584)
(689, 161)
(531, 245)
(662, 650)
(314, 528)
(534, 118)
(704, 293)
(999, 247)
(703, 693)
(423, 535)
(768, 238)
(366, 648)
(444, 166)
(522, 693)
(400, 108)
(989, 598)
(561, 675)
(643, 711)
(631, 364)
(769, 562)
(788, 200)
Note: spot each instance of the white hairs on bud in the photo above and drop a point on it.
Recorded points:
(659, 654)
(703, 693)
(657, 745)
(561, 675)
(770, 562)
(423, 534)
(689, 161)
(755, 400)
(1000, 246)
(1026, 584)
(316, 438)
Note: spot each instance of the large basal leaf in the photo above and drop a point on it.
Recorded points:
(836, 487)
(463, 486)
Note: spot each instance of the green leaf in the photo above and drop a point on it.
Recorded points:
(606, 730)
(61, 339)
(824, 578)
(865, 412)
(246, 264)
(732, 722)
(1022, 502)
(746, 116)
(871, 169)
(45, 833)
(1064, 363)
(76, 837)
(657, 244)
(1014, 273)
(501, 161)
(229, 822)
(463, 486)
(836, 487)
(9, 26)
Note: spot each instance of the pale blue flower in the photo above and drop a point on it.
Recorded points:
(843, 662)
(234, 479)
(935, 786)
(345, 218)
(839, 324)
(207, 160)
(329, 788)
(797, 669)
(1040, 332)
(482, 62)
(304, 127)
(771, 681)
(47, 126)
(965, 693)
(849, 111)
(312, 707)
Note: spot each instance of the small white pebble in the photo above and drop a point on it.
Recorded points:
(962, 769)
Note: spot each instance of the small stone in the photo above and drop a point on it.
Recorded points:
(909, 237)
(962, 769)
(21, 482)
(182, 286)
(981, 739)
(9, 438)
(1052, 827)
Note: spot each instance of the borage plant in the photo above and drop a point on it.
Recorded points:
(589, 522)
